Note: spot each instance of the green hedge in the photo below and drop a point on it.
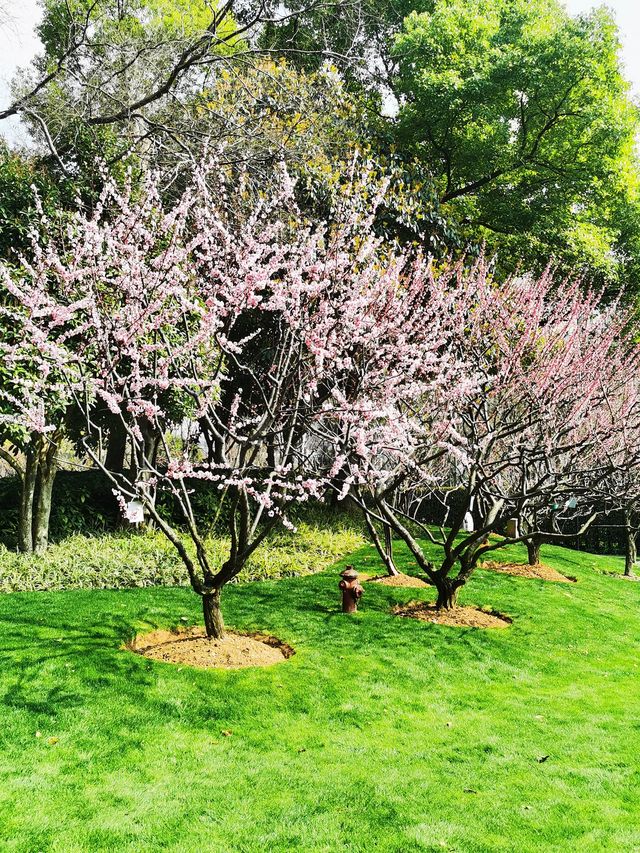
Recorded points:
(83, 503)
(132, 559)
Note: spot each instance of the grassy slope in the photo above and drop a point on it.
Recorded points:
(369, 739)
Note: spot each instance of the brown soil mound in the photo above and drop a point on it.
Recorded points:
(398, 580)
(522, 570)
(192, 647)
(459, 617)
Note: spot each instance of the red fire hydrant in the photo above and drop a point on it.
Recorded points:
(351, 590)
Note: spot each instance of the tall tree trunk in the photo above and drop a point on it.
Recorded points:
(631, 550)
(29, 483)
(533, 550)
(213, 621)
(47, 470)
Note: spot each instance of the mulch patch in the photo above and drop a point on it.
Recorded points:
(522, 570)
(458, 617)
(395, 580)
(192, 647)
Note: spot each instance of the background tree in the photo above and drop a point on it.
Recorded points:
(32, 415)
(529, 422)
(27, 190)
(116, 76)
(524, 116)
(519, 111)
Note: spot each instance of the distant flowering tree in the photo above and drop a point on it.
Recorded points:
(31, 427)
(252, 339)
(33, 401)
(404, 355)
(620, 491)
(529, 432)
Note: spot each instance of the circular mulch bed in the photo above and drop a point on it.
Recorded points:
(396, 580)
(192, 647)
(458, 617)
(522, 570)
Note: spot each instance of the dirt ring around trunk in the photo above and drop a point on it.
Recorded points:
(540, 572)
(395, 580)
(457, 617)
(192, 647)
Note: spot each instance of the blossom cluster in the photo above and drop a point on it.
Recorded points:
(307, 356)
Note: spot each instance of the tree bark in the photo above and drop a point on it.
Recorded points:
(447, 593)
(29, 482)
(533, 550)
(386, 551)
(47, 470)
(631, 549)
(116, 446)
(213, 621)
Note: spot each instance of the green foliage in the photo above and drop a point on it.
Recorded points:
(131, 49)
(19, 178)
(123, 21)
(524, 116)
(82, 504)
(131, 559)
(380, 734)
(275, 113)
(81, 562)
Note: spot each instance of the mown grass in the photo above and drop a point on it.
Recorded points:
(380, 734)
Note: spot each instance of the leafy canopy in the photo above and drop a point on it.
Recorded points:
(525, 118)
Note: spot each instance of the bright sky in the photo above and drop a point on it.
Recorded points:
(18, 42)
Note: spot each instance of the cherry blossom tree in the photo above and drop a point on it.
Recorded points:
(276, 359)
(619, 493)
(531, 431)
(228, 350)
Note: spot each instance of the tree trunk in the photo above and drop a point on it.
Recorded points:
(386, 551)
(533, 551)
(213, 621)
(116, 446)
(631, 550)
(447, 593)
(47, 470)
(25, 518)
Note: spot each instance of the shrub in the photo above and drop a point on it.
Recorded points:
(132, 559)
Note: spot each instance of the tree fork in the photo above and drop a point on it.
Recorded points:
(447, 593)
(386, 551)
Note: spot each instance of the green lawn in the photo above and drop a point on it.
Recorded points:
(380, 734)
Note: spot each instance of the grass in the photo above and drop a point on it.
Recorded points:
(380, 734)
